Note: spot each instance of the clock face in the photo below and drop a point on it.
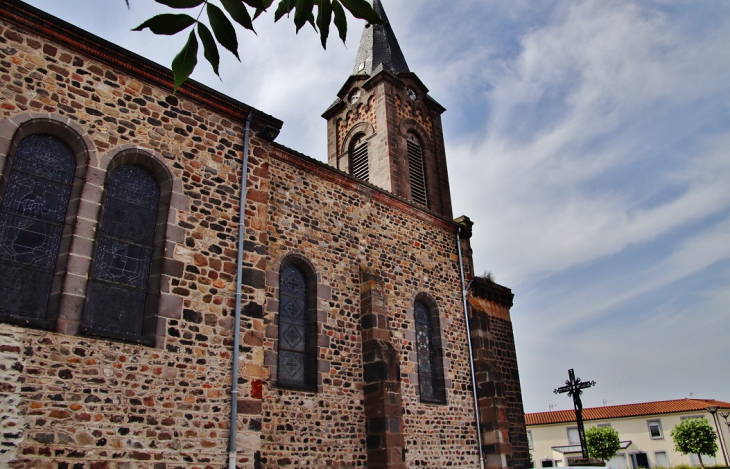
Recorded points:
(355, 96)
(412, 94)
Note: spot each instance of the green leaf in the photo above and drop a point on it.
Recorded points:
(258, 4)
(311, 21)
(185, 61)
(210, 47)
(363, 10)
(302, 12)
(284, 8)
(167, 23)
(127, 3)
(223, 29)
(324, 18)
(180, 3)
(340, 19)
(266, 4)
(238, 12)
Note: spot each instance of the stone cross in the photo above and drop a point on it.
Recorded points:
(574, 387)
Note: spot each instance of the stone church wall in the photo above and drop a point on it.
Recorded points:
(340, 230)
(88, 400)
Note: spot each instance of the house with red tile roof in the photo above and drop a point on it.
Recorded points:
(644, 430)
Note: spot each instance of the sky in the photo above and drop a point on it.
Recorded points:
(589, 141)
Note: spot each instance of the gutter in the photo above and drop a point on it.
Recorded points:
(464, 293)
(237, 327)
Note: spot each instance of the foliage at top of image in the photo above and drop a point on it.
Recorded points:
(695, 436)
(602, 442)
(224, 34)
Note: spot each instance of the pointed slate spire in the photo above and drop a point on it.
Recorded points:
(378, 45)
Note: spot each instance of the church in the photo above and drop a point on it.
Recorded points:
(178, 290)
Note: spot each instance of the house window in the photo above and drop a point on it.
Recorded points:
(618, 462)
(707, 460)
(547, 463)
(430, 372)
(573, 436)
(359, 166)
(297, 329)
(655, 429)
(601, 425)
(530, 443)
(416, 171)
(661, 459)
(32, 224)
(119, 292)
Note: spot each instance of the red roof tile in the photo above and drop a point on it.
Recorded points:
(623, 411)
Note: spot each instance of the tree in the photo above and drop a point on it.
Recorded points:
(224, 33)
(603, 442)
(695, 436)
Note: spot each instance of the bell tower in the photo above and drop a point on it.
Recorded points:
(385, 129)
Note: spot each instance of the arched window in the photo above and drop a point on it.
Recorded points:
(359, 166)
(430, 368)
(120, 300)
(416, 171)
(297, 363)
(32, 224)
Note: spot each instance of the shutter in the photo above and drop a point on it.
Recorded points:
(359, 162)
(417, 176)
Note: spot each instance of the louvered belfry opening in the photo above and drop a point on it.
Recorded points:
(416, 171)
(359, 160)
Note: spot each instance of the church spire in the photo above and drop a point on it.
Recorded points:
(378, 45)
(384, 129)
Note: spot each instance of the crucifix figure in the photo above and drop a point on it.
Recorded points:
(574, 387)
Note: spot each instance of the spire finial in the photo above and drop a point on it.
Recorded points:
(378, 45)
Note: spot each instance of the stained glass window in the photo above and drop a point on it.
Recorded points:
(32, 218)
(118, 291)
(429, 378)
(293, 322)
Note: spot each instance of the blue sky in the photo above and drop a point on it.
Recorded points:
(589, 141)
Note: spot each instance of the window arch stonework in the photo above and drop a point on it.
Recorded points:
(297, 324)
(78, 241)
(362, 131)
(159, 303)
(427, 336)
(423, 191)
(17, 135)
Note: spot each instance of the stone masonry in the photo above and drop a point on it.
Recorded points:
(83, 402)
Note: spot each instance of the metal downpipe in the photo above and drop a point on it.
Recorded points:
(237, 327)
(464, 293)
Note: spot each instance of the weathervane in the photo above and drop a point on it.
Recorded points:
(574, 387)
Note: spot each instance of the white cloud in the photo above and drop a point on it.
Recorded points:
(594, 94)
